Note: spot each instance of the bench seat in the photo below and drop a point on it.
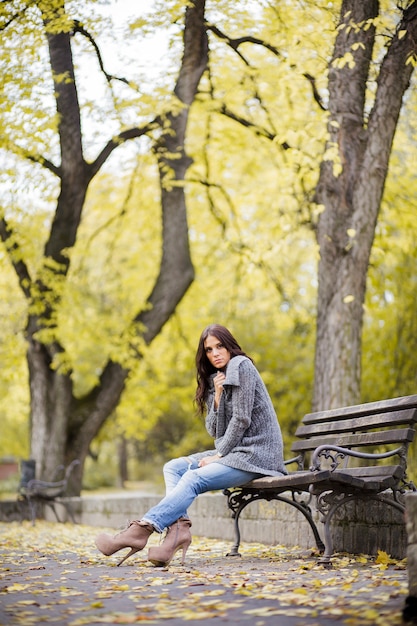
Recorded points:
(297, 479)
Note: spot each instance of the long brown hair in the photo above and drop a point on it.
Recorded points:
(204, 368)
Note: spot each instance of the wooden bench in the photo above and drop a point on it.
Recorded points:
(352, 453)
(33, 491)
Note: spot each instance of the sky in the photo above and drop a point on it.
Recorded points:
(149, 53)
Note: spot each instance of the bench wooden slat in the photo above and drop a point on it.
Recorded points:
(362, 475)
(398, 436)
(366, 483)
(377, 471)
(363, 423)
(298, 479)
(381, 406)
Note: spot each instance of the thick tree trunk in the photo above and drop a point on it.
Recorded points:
(63, 426)
(51, 390)
(352, 198)
(51, 398)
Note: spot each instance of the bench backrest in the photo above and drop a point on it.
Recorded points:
(371, 427)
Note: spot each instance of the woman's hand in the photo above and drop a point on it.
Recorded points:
(208, 459)
(218, 387)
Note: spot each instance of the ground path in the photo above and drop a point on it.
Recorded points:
(53, 574)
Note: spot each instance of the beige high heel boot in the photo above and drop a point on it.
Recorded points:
(134, 537)
(178, 536)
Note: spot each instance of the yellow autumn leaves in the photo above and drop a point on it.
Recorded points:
(53, 573)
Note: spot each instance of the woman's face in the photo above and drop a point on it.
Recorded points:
(216, 353)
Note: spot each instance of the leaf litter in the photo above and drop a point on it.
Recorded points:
(53, 573)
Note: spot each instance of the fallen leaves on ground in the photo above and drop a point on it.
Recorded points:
(53, 573)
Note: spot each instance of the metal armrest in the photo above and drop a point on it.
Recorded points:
(327, 451)
(37, 487)
(297, 459)
(70, 467)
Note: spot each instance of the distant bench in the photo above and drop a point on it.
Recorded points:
(352, 453)
(33, 491)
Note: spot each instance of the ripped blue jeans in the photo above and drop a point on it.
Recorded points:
(184, 481)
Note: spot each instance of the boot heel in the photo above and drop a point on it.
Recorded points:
(163, 560)
(178, 536)
(132, 551)
(185, 547)
(135, 537)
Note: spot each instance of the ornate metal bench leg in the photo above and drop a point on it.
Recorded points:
(70, 512)
(235, 548)
(238, 499)
(32, 510)
(304, 509)
(325, 559)
(327, 504)
(51, 505)
(68, 508)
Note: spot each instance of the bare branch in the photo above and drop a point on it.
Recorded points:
(235, 43)
(263, 132)
(243, 249)
(45, 163)
(35, 158)
(212, 206)
(78, 28)
(316, 94)
(15, 16)
(131, 133)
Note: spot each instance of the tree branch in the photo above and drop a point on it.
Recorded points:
(316, 95)
(45, 163)
(35, 158)
(16, 15)
(131, 133)
(263, 132)
(78, 28)
(235, 43)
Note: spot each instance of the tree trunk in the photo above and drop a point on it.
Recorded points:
(50, 390)
(351, 198)
(123, 475)
(63, 426)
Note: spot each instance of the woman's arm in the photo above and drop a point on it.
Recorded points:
(243, 398)
(214, 404)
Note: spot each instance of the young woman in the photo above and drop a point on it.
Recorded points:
(247, 444)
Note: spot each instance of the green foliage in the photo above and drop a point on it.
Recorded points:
(112, 271)
(14, 390)
(102, 472)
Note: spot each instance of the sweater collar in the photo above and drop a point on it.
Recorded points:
(232, 371)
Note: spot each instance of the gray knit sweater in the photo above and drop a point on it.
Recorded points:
(245, 426)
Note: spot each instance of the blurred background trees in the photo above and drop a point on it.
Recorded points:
(256, 137)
